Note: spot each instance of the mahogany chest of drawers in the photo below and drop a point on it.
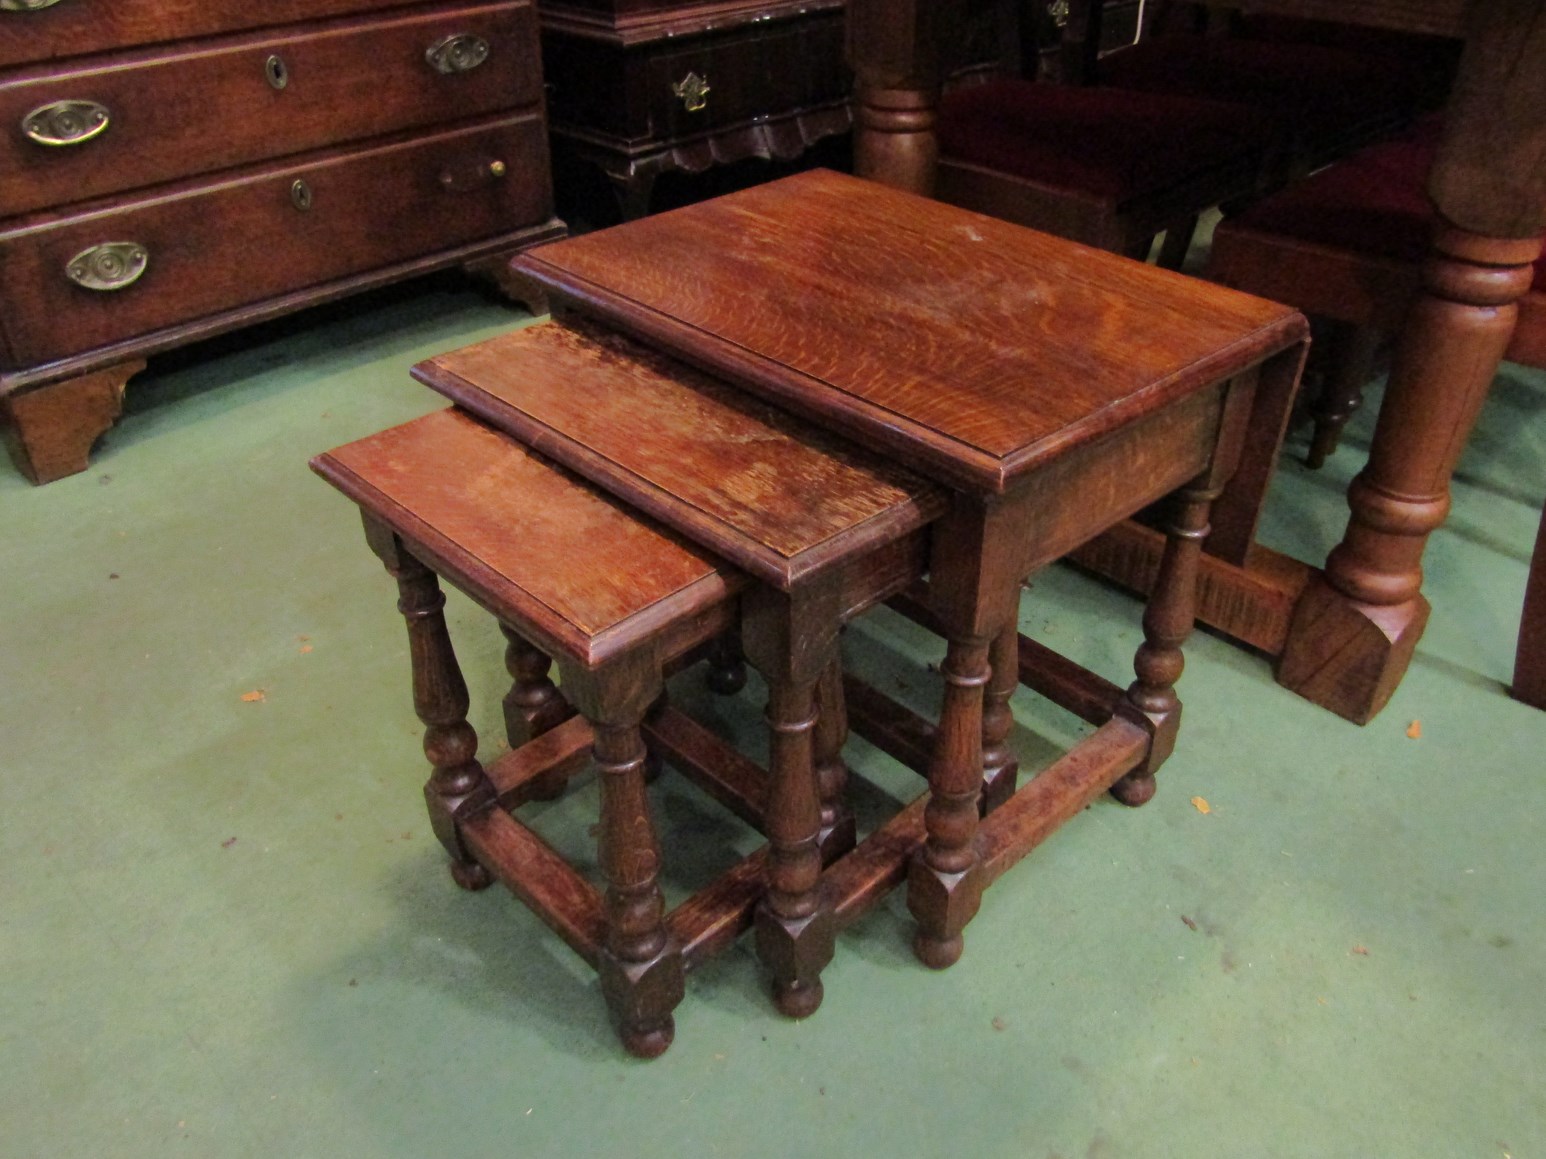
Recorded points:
(644, 87)
(177, 168)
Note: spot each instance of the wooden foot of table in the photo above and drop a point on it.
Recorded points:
(1347, 656)
(51, 429)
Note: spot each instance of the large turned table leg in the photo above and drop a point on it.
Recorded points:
(893, 49)
(1356, 626)
(458, 785)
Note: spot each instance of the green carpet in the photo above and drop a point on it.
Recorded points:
(225, 929)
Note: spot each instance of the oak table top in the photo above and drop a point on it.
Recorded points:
(1055, 390)
(976, 350)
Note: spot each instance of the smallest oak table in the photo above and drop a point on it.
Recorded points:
(1053, 389)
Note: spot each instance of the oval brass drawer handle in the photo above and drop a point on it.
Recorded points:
(66, 122)
(113, 265)
(26, 5)
(462, 52)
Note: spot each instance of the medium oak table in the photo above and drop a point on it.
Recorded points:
(1342, 636)
(1054, 389)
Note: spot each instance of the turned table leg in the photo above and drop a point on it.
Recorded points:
(1167, 621)
(1000, 766)
(640, 965)
(727, 665)
(839, 832)
(458, 784)
(1349, 367)
(974, 593)
(1356, 626)
(51, 428)
(894, 51)
(532, 706)
(792, 642)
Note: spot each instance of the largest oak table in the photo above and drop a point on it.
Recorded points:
(1343, 635)
(1054, 389)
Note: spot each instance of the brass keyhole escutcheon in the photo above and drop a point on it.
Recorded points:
(300, 195)
(277, 72)
(694, 92)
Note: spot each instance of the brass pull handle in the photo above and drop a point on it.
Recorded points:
(26, 5)
(461, 52)
(694, 92)
(113, 265)
(277, 72)
(66, 122)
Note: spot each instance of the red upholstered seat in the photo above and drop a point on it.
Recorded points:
(1347, 245)
(1373, 202)
(1106, 142)
(1323, 99)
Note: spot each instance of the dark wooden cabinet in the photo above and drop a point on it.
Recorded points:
(174, 170)
(642, 88)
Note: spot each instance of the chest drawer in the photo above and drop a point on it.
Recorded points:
(178, 114)
(58, 28)
(735, 77)
(207, 249)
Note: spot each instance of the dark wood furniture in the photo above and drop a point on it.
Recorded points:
(825, 529)
(177, 170)
(1054, 388)
(1342, 636)
(645, 88)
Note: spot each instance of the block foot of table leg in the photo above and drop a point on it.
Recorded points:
(942, 904)
(641, 996)
(797, 950)
(1348, 656)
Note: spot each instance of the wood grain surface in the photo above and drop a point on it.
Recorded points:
(979, 347)
(768, 492)
(561, 559)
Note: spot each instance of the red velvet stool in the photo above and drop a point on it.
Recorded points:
(1100, 166)
(1327, 90)
(1346, 245)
